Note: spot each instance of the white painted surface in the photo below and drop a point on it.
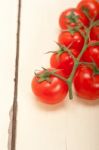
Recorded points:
(43, 127)
(72, 124)
(8, 12)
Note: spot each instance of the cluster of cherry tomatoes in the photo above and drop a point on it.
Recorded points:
(74, 22)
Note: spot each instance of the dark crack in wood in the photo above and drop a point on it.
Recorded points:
(13, 113)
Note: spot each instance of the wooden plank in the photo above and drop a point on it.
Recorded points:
(8, 11)
(73, 124)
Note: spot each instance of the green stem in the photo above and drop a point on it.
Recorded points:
(94, 44)
(84, 47)
(60, 77)
(69, 82)
(76, 63)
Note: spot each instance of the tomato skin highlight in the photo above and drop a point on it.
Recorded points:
(64, 21)
(91, 5)
(92, 54)
(86, 84)
(94, 34)
(66, 38)
(50, 93)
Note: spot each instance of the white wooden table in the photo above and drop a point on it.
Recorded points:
(73, 125)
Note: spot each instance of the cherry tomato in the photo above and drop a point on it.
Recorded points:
(86, 83)
(92, 54)
(51, 89)
(63, 61)
(91, 5)
(94, 34)
(72, 17)
(66, 38)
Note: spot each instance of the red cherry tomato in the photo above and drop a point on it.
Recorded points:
(64, 21)
(63, 61)
(86, 83)
(92, 54)
(91, 5)
(66, 38)
(51, 92)
(94, 34)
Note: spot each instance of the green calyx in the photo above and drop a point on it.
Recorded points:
(72, 17)
(95, 69)
(96, 23)
(45, 75)
(91, 65)
(63, 49)
(85, 9)
(59, 53)
(86, 12)
(72, 30)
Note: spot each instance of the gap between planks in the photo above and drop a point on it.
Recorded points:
(14, 109)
